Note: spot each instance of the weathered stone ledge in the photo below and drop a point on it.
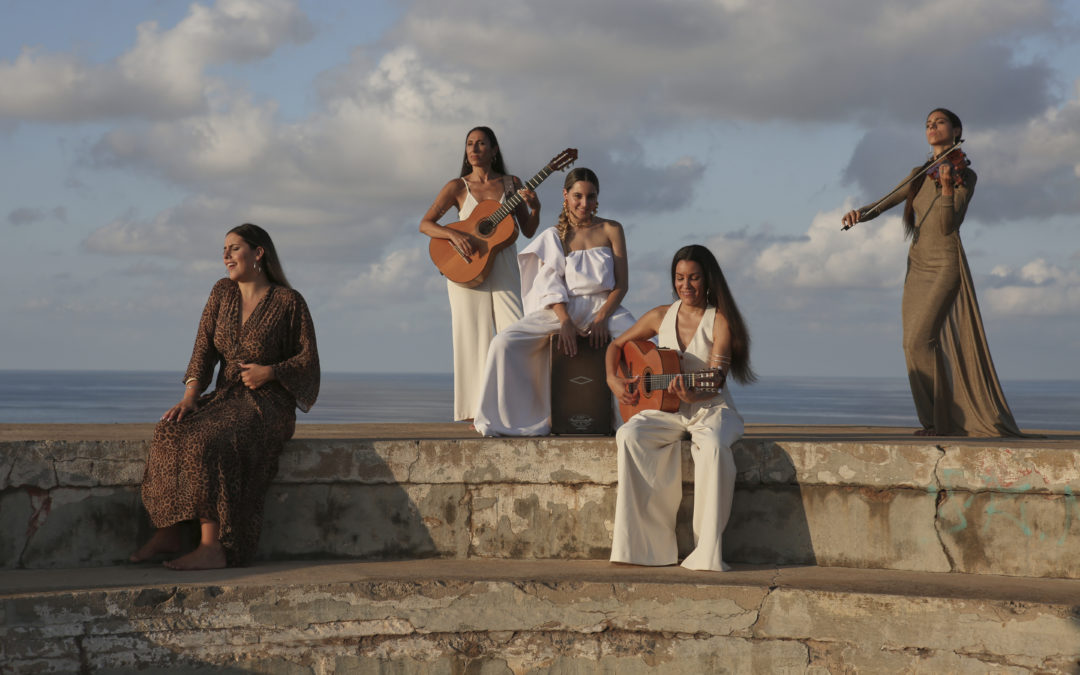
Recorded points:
(526, 617)
(971, 506)
(584, 461)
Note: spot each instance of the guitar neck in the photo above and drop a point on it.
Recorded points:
(514, 201)
(691, 381)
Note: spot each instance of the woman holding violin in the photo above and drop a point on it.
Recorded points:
(952, 377)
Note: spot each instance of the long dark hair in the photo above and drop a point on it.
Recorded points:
(718, 294)
(497, 163)
(255, 237)
(562, 225)
(916, 185)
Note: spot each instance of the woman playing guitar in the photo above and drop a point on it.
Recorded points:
(704, 325)
(478, 312)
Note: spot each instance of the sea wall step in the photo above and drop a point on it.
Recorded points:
(499, 616)
(865, 500)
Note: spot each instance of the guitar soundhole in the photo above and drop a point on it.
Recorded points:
(485, 228)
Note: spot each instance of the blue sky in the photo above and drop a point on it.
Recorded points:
(135, 133)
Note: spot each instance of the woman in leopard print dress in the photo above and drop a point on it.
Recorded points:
(213, 457)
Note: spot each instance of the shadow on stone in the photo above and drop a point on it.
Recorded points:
(768, 522)
(343, 500)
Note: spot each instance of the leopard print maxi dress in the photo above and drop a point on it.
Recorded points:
(217, 463)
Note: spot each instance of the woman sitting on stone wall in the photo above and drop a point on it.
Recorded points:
(213, 457)
(707, 331)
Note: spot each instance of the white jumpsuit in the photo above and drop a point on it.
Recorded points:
(650, 467)
(516, 396)
(476, 314)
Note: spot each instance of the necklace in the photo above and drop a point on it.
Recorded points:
(581, 225)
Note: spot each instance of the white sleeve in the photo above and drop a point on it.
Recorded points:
(543, 272)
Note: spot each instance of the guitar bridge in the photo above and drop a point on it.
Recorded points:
(460, 252)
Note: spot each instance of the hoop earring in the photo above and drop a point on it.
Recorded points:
(595, 207)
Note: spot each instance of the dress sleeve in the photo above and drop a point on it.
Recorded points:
(204, 356)
(543, 272)
(300, 373)
(955, 205)
(892, 201)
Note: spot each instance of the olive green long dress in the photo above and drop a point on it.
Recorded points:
(952, 377)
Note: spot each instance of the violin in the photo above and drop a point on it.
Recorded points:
(957, 160)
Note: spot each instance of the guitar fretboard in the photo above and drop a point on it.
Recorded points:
(514, 201)
(701, 381)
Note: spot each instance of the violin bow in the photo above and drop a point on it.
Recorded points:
(863, 213)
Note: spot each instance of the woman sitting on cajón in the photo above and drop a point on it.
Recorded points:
(573, 279)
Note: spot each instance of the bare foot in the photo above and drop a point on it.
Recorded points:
(929, 431)
(205, 557)
(164, 541)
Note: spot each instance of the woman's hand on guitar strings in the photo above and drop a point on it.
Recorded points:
(721, 378)
(678, 388)
(626, 389)
(460, 241)
(690, 395)
(530, 198)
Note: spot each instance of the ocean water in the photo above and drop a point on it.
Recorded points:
(109, 397)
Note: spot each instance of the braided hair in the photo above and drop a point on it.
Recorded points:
(562, 225)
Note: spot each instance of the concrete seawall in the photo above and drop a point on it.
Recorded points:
(424, 549)
(517, 617)
(854, 498)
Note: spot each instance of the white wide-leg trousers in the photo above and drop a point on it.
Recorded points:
(650, 485)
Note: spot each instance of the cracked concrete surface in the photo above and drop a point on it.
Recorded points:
(536, 617)
(870, 500)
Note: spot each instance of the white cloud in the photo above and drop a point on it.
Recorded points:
(870, 255)
(403, 277)
(390, 123)
(1033, 167)
(226, 142)
(1037, 288)
(182, 231)
(193, 231)
(640, 61)
(370, 160)
(161, 77)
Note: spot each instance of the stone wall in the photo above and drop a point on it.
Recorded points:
(975, 508)
(434, 617)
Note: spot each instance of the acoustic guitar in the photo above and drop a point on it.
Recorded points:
(656, 368)
(491, 228)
